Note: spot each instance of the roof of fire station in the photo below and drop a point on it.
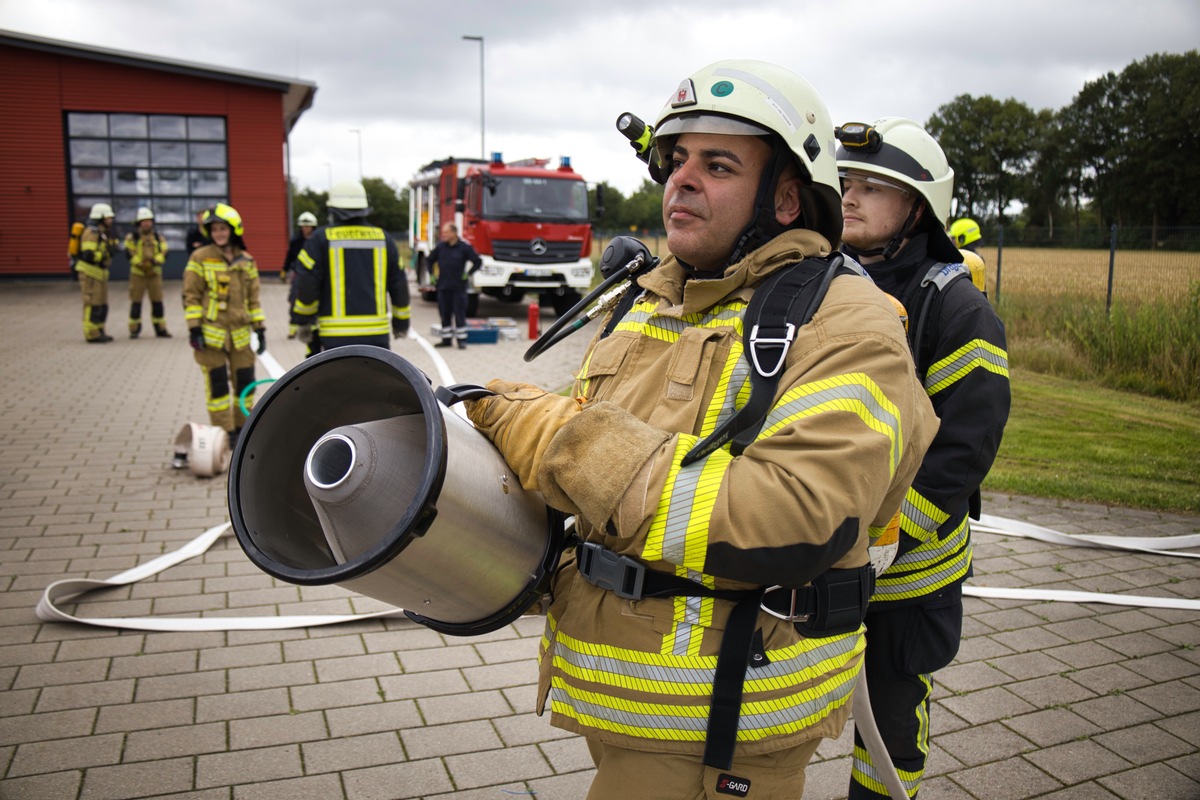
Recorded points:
(297, 94)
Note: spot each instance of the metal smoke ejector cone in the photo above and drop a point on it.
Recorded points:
(351, 470)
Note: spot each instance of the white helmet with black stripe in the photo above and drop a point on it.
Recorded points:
(901, 151)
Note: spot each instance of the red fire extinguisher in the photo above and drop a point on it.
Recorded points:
(535, 320)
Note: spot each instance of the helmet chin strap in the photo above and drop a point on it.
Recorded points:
(763, 225)
(893, 244)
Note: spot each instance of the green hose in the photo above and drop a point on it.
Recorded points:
(246, 391)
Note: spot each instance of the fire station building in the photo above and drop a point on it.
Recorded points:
(81, 125)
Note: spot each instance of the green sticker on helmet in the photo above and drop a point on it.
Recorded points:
(722, 88)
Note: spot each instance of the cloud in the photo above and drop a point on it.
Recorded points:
(557, 74)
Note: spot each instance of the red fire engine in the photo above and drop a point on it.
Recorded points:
(528, 222)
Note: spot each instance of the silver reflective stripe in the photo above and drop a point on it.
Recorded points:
(846, 391)
(357, 244)
(980, 352)
(793, 117)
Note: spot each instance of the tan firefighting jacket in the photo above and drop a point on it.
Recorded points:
(95, 253)
(844, 438)
(147, 254)
(221, 296)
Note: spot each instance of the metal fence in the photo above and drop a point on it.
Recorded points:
(1128, 265)
(1094, 265)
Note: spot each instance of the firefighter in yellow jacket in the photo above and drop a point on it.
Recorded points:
(221, 308)
(692, 640)
(147, 251)
(95, 256)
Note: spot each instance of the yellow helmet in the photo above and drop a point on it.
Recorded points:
(225, 213)
(964, 231)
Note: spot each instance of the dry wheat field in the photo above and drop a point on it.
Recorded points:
(1137, 275)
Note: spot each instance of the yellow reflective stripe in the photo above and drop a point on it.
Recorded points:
(192, 312)
(732, 392)
(92, 271)
(257, 315)
(926, 568)
(865, 774)
(213, 336)
(801, 685)
(975, 354)
(354, 326)
(852, 392)
(919, 517)
(404, 312)
(380, 273)
(337, 281)
(306, 309)
(652, 550)
(305, 259)
(241, 338)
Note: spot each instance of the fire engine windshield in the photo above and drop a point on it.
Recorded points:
(518, 199)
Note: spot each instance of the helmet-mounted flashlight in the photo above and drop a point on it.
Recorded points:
(859, 136)
(637, 132)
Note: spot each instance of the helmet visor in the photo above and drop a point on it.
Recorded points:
(875, 180)
(709, 123)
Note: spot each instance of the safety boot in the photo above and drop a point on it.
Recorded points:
(161, 332)
(135, 330)
(462, 344)
(445, 342)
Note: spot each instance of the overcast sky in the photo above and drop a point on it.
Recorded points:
(557, 74)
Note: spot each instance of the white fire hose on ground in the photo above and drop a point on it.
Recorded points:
(213, 454)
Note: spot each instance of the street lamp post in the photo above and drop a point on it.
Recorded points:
(359, 134)
(482, 150)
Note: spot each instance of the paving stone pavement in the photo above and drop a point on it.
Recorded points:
(1046, 699)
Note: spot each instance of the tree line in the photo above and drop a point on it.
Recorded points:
(1123, 152)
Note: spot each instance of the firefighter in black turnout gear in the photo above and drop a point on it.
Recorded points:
(896, 191)
(345, 276)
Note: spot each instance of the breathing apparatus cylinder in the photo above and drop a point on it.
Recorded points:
(351, 471)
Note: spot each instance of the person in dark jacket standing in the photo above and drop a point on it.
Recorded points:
(451, 256)
(896, 191)
(195, 234)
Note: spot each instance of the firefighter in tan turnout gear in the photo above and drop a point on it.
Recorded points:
(692, 639)
(221, 307)
(147, 251)
(95, 256)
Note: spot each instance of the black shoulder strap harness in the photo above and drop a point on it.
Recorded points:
(834, 603)
(784, 302)
(938, 277)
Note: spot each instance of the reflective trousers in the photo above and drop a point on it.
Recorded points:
(221, 368)
(905, 646)
(95, 306)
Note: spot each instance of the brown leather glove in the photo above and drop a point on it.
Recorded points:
(521, 419)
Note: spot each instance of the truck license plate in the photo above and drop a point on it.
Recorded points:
(537, 273)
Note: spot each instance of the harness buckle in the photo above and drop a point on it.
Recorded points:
(783, 344)
(621, 575)
(793, 605)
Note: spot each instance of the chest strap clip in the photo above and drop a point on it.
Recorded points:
(621, 575)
